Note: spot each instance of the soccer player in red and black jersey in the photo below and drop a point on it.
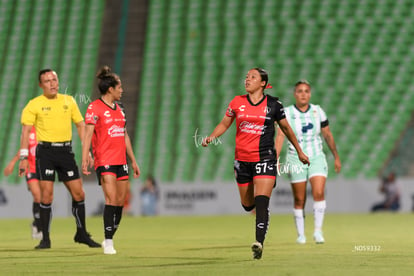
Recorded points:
(105, 128)
(255, 157)
(32, 180)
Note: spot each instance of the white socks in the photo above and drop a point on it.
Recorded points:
(299, 221)
(109, 242)
(319, 213)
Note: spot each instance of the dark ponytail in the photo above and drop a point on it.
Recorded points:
(106, 79)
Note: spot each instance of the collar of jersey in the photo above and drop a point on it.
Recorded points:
(113, 108)
(248, 99)
(309, 106)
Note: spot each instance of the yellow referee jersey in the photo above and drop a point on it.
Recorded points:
(52, 118)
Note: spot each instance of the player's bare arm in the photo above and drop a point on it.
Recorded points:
(287, 130)
(327, 135)
(24, 150)
(131, 156)
(86, 145)
(220, 129)
(279, 139)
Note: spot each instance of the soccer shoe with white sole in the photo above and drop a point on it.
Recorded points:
(257, 249)
(108, 249)
(301, 239)
(318, 237)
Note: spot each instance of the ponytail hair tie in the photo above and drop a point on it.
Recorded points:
(268, 86)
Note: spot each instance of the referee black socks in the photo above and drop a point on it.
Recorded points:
(45, 218)
(262, 217)
(78, 211)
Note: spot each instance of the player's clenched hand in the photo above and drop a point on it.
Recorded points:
(303, 158)
(136, 170)
(337, 165)
(207, 141)
(85, 165)
(23, 167)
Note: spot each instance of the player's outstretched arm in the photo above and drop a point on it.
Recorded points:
(220, 129)
(287, 130)
(9, 168)
(327, 134)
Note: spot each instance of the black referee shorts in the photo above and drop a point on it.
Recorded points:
(52, 158)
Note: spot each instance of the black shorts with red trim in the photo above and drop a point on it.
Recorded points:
(32, 176)
(119, 171)
(245, 172)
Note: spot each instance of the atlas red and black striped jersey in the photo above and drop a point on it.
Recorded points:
(255, 127)
(108, 140)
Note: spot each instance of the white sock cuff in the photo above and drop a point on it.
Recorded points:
(298, 212)
(319, 204)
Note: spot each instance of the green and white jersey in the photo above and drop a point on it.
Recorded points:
(307, 128)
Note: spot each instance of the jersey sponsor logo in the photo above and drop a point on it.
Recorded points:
(252, 128)
(110, 120)
(116, 131)
(46, 108)
(305, 129)
(89, 116)
(107, 114)
(242, 107)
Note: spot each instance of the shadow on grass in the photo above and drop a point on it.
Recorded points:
(215, 247)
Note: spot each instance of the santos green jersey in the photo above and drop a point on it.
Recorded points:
(307, 128)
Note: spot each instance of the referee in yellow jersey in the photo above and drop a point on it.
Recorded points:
(52, 114)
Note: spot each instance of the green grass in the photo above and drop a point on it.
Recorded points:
(218, 245)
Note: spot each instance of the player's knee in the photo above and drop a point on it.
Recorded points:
(318, 196)
(248, 208)
(47, 198)
(299, 203)
(78, 195)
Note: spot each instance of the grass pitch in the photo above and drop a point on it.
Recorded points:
(368, 244)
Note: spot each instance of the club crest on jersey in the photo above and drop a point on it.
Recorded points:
(267, 110)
